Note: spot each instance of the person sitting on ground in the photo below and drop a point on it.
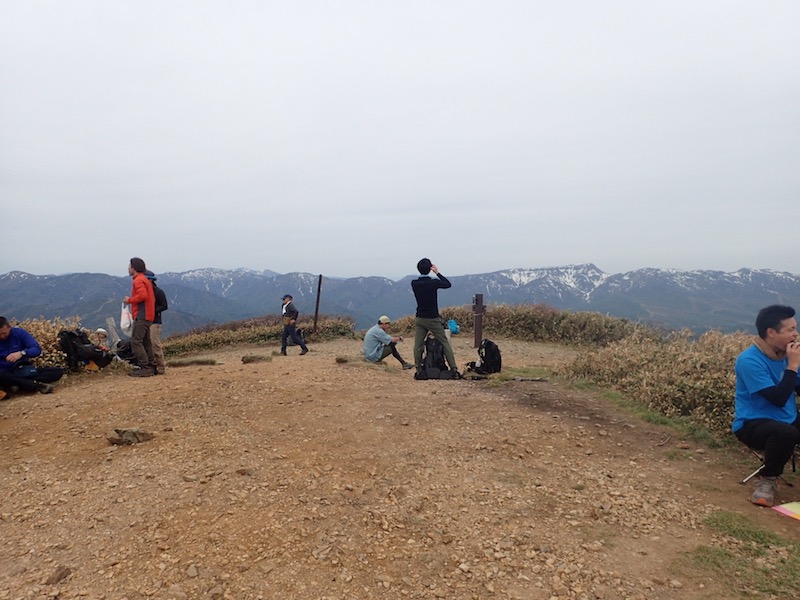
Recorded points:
(101, 339)
(766, 406)
(378, 344)
(17, 347)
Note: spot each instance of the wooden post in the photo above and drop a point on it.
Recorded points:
(316, 310)
(477, 311)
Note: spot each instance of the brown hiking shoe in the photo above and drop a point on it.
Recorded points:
(143, 372)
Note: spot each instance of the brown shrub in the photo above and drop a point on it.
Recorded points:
(677, 376)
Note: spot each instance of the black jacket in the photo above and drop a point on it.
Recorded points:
(161, 303)
(425, 289)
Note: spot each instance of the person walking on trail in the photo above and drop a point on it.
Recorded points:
(290, 314)
(143, 308)
(426, 289)
(378, 344)
(765, 416)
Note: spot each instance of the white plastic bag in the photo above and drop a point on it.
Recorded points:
(126, 319)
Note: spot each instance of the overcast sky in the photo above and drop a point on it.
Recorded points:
(355, 137)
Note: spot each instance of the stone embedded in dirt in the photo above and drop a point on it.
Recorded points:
(125, 437)
(60, 574)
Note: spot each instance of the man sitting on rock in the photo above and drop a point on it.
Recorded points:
(378, 344)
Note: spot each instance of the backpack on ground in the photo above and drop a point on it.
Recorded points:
(80, 350)
(433, 363)
(452, 325)
(124, 351)
(489, 359)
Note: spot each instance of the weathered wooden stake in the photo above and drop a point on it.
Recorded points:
(477, 311)
(316, 310)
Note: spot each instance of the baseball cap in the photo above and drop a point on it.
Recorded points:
(384, 319)
(285, 296)
(100, 330)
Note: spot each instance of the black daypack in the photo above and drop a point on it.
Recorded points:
(124, 351)
(433, 363)
(80, 350)
(490, 361)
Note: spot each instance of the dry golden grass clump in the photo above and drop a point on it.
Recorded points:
(677, 376)
(540, 323)
(254, 358)
(46, 333)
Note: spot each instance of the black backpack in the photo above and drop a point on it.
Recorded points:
(124, 351)
(490, 361)
(433, 364)
(80, 350)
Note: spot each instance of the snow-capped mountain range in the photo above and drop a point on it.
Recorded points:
(699, 300)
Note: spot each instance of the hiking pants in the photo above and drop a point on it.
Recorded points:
(158, 349)
(141, 345)
(290, 331)
(391, 348)
(423, 326)
(777, 440)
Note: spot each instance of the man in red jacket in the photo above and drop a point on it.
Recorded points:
(143, 308)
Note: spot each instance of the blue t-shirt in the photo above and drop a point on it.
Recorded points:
(755, 371)
(374, 342)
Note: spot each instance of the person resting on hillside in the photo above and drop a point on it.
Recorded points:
(378, 344)
(17, 347)
(766, 404)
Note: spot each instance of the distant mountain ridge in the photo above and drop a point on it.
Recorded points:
(673, 299)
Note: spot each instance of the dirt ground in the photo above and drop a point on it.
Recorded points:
(310, 477)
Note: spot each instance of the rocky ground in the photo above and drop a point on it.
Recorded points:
(312, 477)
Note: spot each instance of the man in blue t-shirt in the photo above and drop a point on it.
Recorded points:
(378, 344)
(766, 407)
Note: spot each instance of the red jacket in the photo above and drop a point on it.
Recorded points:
(142, 293)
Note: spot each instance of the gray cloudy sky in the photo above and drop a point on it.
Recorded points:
(354, 137)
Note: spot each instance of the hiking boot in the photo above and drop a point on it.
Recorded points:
(407, 366)
(764, 494)
(142, 372)
(44, 388)
(3, 395)
(303, 351)
(283, 352)
(91, 366)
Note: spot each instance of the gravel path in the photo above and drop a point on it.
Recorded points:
(309, 477)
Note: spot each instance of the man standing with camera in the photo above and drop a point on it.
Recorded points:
(425, 290)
